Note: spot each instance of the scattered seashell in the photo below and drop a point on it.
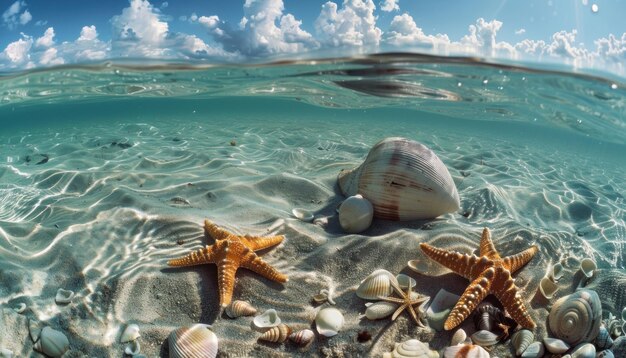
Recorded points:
(556, 346)
(323, 296)
(133, 348)
(556, 272)
(547, 288)
(34, 329)
(380, 309)
(303, 214)
(52, 343)
(6, 353)
(412, 348)
(440, 307)
(458, 337)
(404, 180)
(303, 337)
(465, 351)
(196, 340)
(576, 318)
(355, 214)
(521, 340)
(240, 308)
(377, 284)
(329, 321)
(534, 350)
(405, 280)
(487, 316)
(267, 319)
(131, 333)
(607, 353)
(587, 266)
(64, 296)
(614, 326)
(484, 338)
(21, 307)
(603, 340)
(584, 350)
(276, 334)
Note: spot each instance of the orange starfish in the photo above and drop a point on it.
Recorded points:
(229, 253)
(488, 273)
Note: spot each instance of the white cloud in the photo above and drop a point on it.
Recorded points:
(404, 32)
(138, 31)
(520, 32)
(482, 39)
(88, 33)
(17, 52)
(352, 25)
(47, 39)
(164, 4)
(389, 5)
(41, 23)
(50, 57)
(14, 16)
(25, 17)
(210, 22)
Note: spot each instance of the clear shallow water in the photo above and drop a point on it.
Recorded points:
(107, 172)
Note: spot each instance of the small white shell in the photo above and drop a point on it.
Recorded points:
(196, 340)
(21, 307)
(534, 350)
(439, 308)
(607, 353)
(302, 337)
(6, 353)
(458, 337)
(547, 288)
(604, 340)
(556, 272)
(556, 346)
(131, 333)
(355, 214)
(380, 309)
(484, 338)
(133, 348)
(377, 284)
(329, 321)
(276, 334)
(521, 340)
(465, 351)
(585, 350)
(412, 348)
(240, 308)
(587, 266)
(64, 296)
(52, 343)
(405, 280)
(303, 214)
(576, 318)
(267, 319)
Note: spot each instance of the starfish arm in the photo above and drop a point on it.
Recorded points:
(515, 262)
(253, 262)
(472, 296)
(391, 299)
(486, 245)
(226, 270)
(468, 266)
(256, 243)
(205, 255)
(214, 231)
(508, 294)
(398, 311)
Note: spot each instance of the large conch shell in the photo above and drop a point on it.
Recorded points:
(404, 180)
(576, 318)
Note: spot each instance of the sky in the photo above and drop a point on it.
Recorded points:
(580, 33)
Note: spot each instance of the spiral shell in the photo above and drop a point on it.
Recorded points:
(404, 180)
(377, 284)
(465, 351)
(277, 334)
(240, 308)
(521, 340)
(412, 348)
(194, 341)
(380, 309)
(576, 318)
(302, 337)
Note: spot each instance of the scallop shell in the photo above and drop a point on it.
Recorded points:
(380, 309)
(587, 266)
(576, 318)
(604, 340)
(412, 348)
(377, 284)
(355, 214)
(329, 321)
(193, 341)
(302, 337)
(303, 214)
(404, 180)
(556, 346)
(52, 343)
(458, 337)
(534, 350)
(484, 338)
(240, 308)
(276, 334)
(64, 296)
(547, 288)
(465, 351)
(267, 319)
(131, 332)
(521, 340)
(584, 350)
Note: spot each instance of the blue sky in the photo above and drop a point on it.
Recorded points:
(583, 33)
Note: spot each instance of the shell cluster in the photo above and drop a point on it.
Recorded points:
(196, 340)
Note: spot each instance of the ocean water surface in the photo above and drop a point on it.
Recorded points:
(107, 171)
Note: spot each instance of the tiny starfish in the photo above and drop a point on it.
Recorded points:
(488, 273)
(407, 301)
(229, 253)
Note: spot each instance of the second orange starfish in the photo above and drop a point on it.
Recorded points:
(229, 253)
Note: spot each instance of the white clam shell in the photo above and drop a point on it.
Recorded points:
(555, 345)
(484, 338)
(131, 333)
(576, 318)
(196, 340)
(355, 214)
(377, 284)
(547, 288)
(587, 266)
(465, 351)
(534, 350)
(240, 308)
(303, 214)
(404, 180)
(412, 348)
(276, 334)
(440, 307)
(329, 321)
(556, 272)
(521, 340)
(458, 337)
(267, 319)
(133, 348)
(380, 309)
(584, 350)
(302, 337)
(405, 280)
(52, 343)
(64, 296)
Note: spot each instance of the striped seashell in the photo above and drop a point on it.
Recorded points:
(614, 326)
(412, 348)
(380, 309)
(240, 308)
(576, 318)
(521, 340)
(302, 337)
(556, 346)
(465, 351)
(404, 180)
(194, 341)
(487, 316)
(377, 284)
(603, 340)
(484, 338)
(534, 350)
(276, 334)
(458, 337)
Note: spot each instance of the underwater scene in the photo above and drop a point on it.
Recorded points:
(393, 205)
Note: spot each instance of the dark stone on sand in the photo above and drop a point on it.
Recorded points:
(363, 336)
(38, 158)
(579, 211)
(121, 145)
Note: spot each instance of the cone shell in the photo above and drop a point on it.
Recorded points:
(465, 351)
(521, 340)
(195, 341)
(276, 334)
(302, 337)
(576, 318)
(377, 284)
(604, 340)
(404, 180)
(412, 348)
(240, 308)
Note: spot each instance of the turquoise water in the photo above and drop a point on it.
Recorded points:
(107, 171)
